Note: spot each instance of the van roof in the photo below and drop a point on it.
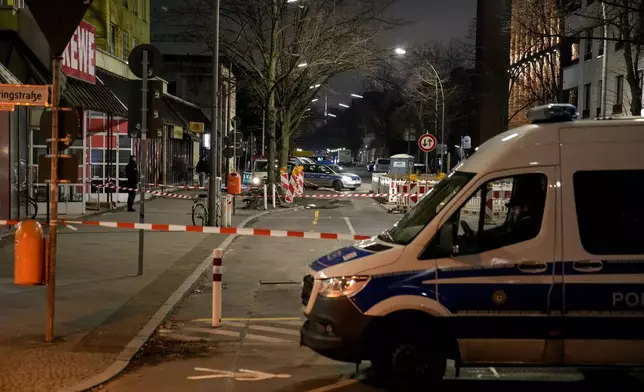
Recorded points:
(538, 144)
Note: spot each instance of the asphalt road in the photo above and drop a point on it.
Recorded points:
(257, 347)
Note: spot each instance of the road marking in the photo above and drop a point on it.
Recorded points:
(266, 339)
(337, 385)
(234, 334)
(316, 217)
(493, 370)
(283, 331)
(350, 226)
(204, 320)
(242, 375)
(214, 331)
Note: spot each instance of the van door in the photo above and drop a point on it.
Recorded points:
(498, 280)
(604, 274)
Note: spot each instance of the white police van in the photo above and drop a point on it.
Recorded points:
(554, 277)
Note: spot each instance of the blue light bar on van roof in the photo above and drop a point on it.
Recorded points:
(552, 113)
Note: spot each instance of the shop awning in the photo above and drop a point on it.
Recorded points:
(187, 112)
(27, 67)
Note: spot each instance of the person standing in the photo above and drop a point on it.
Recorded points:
(202, 170)
(132, 173)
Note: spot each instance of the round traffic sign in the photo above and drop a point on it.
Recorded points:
(427, 142)
(155, 60)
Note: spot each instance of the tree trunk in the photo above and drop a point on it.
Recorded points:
(285, 139)
(271, 76)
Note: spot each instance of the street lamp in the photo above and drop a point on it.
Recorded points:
(343, 105)
(302, 65)
(315, 100)
(400, 51)
(331, 115)
(356, 96)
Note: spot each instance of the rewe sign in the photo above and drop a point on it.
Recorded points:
(79, 57)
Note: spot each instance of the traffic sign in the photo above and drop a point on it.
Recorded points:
(155, 60)
(427, 142)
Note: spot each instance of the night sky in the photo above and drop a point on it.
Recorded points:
(434, 21)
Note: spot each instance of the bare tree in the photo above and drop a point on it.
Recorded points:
(286, 47)
(620, 22)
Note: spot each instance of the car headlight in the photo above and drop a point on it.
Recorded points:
(342, 286)
(346, 178)
(256, 181)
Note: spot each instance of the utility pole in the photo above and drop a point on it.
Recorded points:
(213, 194)
(604, 62)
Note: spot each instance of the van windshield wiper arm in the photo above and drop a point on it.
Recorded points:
(386, 236)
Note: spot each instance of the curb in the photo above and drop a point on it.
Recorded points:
(132, 348)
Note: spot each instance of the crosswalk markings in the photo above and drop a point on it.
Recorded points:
(253, 319)
(265, 330)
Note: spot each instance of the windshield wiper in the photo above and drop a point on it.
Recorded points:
(386, 236)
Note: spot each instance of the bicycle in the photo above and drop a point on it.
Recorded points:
(20, 173)
(200, 212)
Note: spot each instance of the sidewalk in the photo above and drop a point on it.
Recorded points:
(100, 305)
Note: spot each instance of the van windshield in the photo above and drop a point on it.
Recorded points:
(413, 222)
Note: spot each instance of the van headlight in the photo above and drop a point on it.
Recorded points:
(342, 286)
(256, 181)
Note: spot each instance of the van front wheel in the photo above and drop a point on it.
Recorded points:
(409, 365)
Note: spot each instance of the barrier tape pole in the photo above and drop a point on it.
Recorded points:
(216, 287)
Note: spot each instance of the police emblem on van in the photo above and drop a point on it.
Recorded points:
(499, 297)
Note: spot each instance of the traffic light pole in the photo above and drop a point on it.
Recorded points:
(53, 202)
(213, 194)
(143, 162)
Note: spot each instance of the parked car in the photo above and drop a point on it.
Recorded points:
(382, 165)
(330, 176)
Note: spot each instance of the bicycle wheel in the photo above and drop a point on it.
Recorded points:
(218, 215)
(199, 215)
(33, 207)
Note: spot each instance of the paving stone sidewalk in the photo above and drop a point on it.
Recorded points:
(100, 303)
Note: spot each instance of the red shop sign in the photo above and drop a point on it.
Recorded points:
(79, 57)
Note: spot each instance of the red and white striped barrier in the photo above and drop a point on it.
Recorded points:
(185, 187)
(208, 230)
(156, 193)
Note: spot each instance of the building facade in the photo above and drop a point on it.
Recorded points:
(583, 80)
(96, 82)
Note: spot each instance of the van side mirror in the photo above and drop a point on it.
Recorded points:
(446, 244)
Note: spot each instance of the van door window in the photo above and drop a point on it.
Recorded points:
(503, 212)
(605, 227)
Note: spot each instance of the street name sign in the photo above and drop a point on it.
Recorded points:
(24, 94)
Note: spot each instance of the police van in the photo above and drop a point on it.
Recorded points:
(530, 252)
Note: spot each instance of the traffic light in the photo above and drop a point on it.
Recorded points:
(68, 130)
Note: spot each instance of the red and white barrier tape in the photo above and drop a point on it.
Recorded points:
(186, 187)
(208, 230)
(156, 193)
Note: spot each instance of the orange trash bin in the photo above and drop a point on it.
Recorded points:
(234, 184)
(29, 254)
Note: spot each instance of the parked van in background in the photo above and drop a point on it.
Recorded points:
(382, 165)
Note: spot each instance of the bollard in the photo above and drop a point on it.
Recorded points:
(273, 190)
(265, 197)
(223, 211)
(216, 287)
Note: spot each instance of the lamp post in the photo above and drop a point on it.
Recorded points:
(439, 83)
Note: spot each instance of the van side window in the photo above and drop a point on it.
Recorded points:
(610, 211)
(502, 212)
